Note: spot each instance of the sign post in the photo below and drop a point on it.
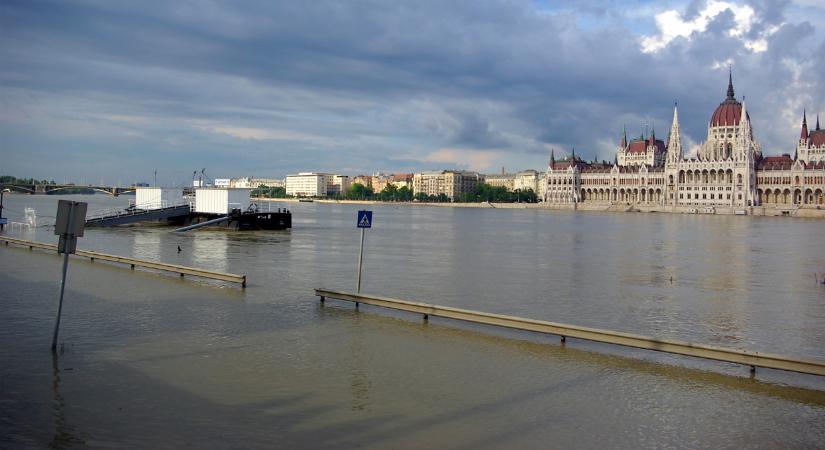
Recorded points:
(364, 222)
(71, 219)
(2, 219)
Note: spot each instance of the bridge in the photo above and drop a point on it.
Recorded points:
(56, 188)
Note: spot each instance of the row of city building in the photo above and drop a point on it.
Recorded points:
(451, 183)
(729, 170)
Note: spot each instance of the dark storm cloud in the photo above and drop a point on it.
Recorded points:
(275, 87)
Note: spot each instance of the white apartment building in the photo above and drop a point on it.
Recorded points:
(337, 184)
(528, 179)
(316, 184)
(452, 183)
(307, 184)
(506, 180)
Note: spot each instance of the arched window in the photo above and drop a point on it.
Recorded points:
(739, 178)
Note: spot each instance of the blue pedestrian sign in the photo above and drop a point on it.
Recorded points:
(364, 219)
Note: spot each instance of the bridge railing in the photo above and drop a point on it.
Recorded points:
(107, 212)
(134, 209)
(149, 205)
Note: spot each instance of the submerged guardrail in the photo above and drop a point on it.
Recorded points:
(748, 358)
(134, 262)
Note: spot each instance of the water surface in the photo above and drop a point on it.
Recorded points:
(150, 360)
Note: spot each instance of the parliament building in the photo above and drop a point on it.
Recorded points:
(729, 170)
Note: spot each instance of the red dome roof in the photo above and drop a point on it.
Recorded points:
(727, 114)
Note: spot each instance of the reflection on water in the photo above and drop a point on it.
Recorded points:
(210, 250)
(64, 434)
(170, 360)
(147, 245)
(359, 373)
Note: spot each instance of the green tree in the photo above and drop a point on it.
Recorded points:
(358, 191)
(526, 196)
(389, 193)
(405, 194)
(269, 192)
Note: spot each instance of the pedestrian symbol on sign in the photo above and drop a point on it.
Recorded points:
(364, 219)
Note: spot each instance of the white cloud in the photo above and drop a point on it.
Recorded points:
(691, 147)
(672, 24)
(260, 134)
(473, 159)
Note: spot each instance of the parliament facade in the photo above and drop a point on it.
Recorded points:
(729, 170)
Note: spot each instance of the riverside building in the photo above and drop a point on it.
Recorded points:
(729, 170)
(307, 184)
(529, 179)
(505, 180)
(316, 184)
(451, 183)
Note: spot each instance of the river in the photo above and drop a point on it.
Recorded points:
(152, 360)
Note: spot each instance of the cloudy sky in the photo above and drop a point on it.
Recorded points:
(98, 90)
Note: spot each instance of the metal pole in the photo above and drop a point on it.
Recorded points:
(1, 208)
(360, 259)
(62, 283)
(60, 304)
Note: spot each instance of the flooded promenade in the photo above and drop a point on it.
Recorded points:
(150, 360)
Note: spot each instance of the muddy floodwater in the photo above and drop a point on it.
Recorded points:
(150, 360)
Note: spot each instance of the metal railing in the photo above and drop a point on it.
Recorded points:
(19, 226)
(133, 209)
(749, 358)
(133, 262)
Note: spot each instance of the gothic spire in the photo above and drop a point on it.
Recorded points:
(804, 135)
(730, 85)
(817, 121)
(573, 156)
(674, 140)
(624, 137)
(552, 156)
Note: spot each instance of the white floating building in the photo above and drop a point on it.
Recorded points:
(157, 197)
(221, 200)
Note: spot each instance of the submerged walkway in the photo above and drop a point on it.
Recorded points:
(133, 262)
(749, 358)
